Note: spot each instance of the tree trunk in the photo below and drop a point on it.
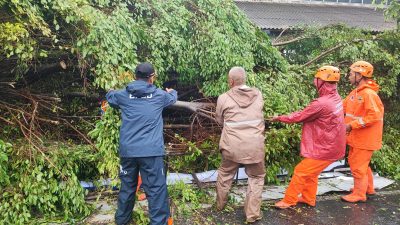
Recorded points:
(192, 106)
(34, 75)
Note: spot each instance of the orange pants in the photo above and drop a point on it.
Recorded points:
(305, 181)
(359, 160)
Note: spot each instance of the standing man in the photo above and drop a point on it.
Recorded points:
(240, 112)
(141, 144)
(323, 139)
(364, 125)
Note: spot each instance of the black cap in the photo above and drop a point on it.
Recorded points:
(144, 70)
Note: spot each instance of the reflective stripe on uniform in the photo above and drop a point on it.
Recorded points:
(359, 118)
(352, 116)
(361, 121)
(241, 123)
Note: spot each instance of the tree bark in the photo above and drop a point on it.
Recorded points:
(34, 75)
(204, 109)
(289, 41)
(192, 106)
(92, 96)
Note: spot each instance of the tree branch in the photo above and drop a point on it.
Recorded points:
(200, 108)
(6, 120)
(327, 52)
(92, 96)
(289, 41)
(34, 75)
(80, 133)
(191, 106)
(283, 31)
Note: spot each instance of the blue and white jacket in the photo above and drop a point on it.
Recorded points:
(141, 105)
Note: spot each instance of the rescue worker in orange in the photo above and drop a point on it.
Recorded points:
(323, 138)
(240, 112)
(364, 124)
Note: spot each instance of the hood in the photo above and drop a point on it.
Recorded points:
(369, 84)
(325, 88)
(243, 95)
(139, 88)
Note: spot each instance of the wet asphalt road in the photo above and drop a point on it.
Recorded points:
(381, 209)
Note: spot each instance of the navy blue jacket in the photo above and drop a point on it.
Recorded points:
(141, 104)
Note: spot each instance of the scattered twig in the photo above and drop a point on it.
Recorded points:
(80, 133)
(175, 126)
(197, 181)
(6, 120)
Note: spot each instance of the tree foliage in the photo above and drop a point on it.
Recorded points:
(43, 185)
(193, 41)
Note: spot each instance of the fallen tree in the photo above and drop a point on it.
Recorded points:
(47, 107)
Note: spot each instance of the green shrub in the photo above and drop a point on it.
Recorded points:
(43, 184)
(386, 161)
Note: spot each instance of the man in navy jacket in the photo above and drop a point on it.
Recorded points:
(141, 144)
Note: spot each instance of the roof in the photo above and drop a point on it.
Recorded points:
(273, 15)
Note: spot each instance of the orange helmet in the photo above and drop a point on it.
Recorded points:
(362, 67)
(328, 73)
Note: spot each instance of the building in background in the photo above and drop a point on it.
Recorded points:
(276, 15)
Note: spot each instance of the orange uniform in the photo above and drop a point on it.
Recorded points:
(364, 112)
(305, 181)
(323, 138)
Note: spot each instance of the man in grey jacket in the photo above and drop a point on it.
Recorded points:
(141, 144)
(240, 112)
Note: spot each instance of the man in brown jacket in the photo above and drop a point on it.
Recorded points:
(240, 112)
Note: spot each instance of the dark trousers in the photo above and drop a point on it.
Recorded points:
(154, 184)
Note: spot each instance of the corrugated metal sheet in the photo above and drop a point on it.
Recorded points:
(272, 15)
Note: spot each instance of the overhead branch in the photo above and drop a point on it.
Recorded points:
(289, 41)
(279, 36)
(327, 52)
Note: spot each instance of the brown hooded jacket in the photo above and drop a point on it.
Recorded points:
(240, 112)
